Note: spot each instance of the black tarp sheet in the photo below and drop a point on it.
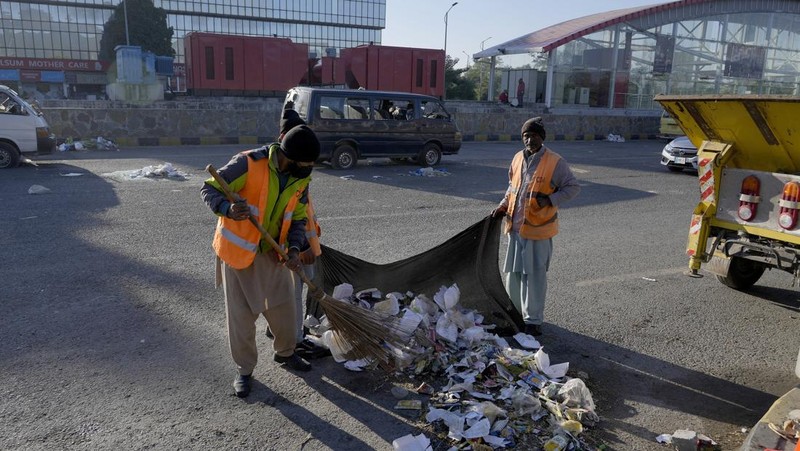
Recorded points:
(469, 259)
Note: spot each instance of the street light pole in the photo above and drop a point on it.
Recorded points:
(125, 11)
(444, 65)
(480, 71)
(467, 55)
(445, 27)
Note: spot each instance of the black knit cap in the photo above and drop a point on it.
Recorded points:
(534, 125)
(301, 144)
(289, 120)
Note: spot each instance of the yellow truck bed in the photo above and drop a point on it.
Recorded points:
(764, 131)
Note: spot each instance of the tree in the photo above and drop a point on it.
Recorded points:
(457, 86)
(147, 28)
(478, 75)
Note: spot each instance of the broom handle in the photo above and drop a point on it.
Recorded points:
(264, 234)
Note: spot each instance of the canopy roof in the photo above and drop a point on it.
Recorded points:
(554, 36)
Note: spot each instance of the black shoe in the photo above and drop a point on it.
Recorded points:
(241, 385)
(533, 329)
(309, 350)
(269, 334)
(294, 362)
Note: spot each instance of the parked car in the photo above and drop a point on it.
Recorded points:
(23, 129)
(668, 127)
(679, 154)
(356, 124)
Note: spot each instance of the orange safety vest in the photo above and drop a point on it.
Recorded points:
(237, 242)
(540, 223)
(313, 231)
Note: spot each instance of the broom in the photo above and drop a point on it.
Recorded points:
(366, 331)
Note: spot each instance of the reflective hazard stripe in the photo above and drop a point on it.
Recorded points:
(789, 204)
(237, 240)
(749, 198)
(694, 227)
(706, 180)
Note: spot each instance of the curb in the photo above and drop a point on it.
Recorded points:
(258, 140)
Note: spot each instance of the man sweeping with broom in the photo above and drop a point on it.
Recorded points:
(272, 188)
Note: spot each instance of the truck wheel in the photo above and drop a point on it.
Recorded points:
(9, 156)
(430, 155)
(742, 274)
(344, 157)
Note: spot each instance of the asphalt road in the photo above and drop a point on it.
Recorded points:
(113, 335)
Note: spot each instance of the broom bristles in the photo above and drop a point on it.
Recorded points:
(367, 331)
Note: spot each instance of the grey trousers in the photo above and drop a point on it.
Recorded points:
(263, 287)
(526, 265)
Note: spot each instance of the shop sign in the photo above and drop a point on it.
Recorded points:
(9, 74)
(52, 64)
(29, 76)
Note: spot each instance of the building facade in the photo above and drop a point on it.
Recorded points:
(621, 59)
(51, 47)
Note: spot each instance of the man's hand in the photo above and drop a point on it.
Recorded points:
(308, 257)
(238, 211)
(294, 262)
(543, 200)
(500, 210)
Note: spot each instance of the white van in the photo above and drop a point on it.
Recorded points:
(23, 129)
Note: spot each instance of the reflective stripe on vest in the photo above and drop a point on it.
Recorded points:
(313, 231)
(287, 219)
(539, 223)
(236, 242)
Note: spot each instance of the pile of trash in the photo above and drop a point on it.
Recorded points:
(478, 391)
(162, 171)
(98, 143)
(615, 138)
(429, 172)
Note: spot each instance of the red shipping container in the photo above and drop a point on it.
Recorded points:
(395, 69)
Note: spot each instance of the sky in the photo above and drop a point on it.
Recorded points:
(420, 23)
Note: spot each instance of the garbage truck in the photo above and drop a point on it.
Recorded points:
(746, 220)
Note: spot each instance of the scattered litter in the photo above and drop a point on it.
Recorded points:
(399, 392)
(408, 404)
(429, 172)
(615, 138)
(355, 365)
(664, 438)
(347, 177)
(494, 396)
(377, 177)
(412, 443)
(38, 189)
(527, 341)
(425, 389)
(163, 171)
(98, 143)
(686, 440)
(649, 279)
(72, 174)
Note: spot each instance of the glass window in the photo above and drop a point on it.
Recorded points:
(357, 108)
(229, 74)
(209, 63)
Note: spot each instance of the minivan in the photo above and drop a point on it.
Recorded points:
(354, 124)
(23, 129)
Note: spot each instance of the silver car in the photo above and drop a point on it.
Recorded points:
(679, 154)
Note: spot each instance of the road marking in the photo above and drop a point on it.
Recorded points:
(632, 276)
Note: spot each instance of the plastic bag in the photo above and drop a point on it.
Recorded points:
(575, 394)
